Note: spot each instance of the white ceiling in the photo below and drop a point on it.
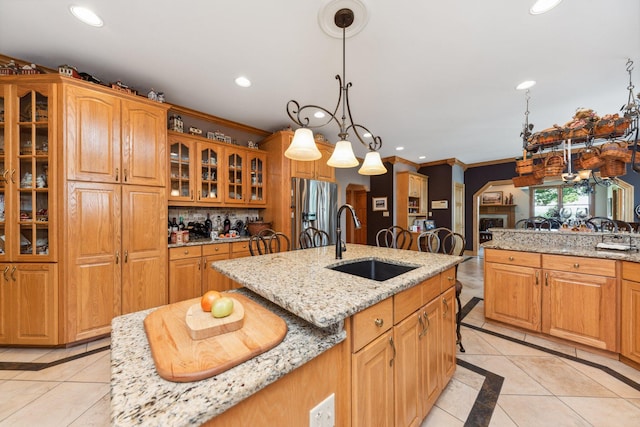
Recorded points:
(436, 77)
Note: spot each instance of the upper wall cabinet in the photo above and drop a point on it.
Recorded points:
(112, 139)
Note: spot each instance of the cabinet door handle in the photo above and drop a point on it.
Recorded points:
(126, 256)
(426, 319)
(125, 175)
(546, 279)
(537, 277)
(393, 347)
(198, 264)
(446, 307)
(191, 194)
(421, 325)
(117, 174)
(4, 176)
(6, 270)
(379, 322)
(13, 273)
(13, 172)
(117, 257)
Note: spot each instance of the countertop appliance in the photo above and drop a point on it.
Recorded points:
(314, 204)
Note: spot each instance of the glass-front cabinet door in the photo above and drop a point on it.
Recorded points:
(210, 159)
(181, 154)
(235, 176)
(257, 172)
(28, 227)
(4, 137)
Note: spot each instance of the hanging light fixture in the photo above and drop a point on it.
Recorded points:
(303, 146)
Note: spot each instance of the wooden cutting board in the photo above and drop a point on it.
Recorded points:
(180, 358)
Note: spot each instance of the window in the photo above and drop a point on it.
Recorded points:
(566, 204)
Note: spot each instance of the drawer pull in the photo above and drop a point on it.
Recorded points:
(13, 273)
(379, 322)
(451, 279)
(186, 251)
(576, 265)
(511, 258)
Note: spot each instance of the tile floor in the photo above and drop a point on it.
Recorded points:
(505, 378)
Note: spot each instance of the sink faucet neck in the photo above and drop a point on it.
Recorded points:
(356, 223)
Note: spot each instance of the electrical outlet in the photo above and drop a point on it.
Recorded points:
(324, 413)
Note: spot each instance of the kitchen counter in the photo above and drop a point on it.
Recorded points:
(299, 281)
(313, 300)
(200, 242)
(140, 397)
(576, 243)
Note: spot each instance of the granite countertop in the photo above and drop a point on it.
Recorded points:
(140, 397)
(299, 281)
(582, 244)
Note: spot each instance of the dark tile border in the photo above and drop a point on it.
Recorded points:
(34, 366)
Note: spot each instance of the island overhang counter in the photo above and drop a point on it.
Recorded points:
(312, 299)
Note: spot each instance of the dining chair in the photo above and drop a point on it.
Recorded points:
(312, 237)
(394, 237)
(445, 241)
(601, 223)
(268, 241)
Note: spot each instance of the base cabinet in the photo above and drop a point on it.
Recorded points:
(630, 312)
(29, 303)
(573, 298)
(408, 364)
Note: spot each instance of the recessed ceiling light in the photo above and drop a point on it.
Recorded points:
(243, 81)
(318, 115)
(542, 6)
(87, 16)
(399, 148)
(526, 84)
(422, 157)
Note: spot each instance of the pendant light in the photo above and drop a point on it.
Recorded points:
(303, 145)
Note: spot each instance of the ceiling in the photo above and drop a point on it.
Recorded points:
(436, 77)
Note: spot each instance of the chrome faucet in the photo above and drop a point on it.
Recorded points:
(356, 223)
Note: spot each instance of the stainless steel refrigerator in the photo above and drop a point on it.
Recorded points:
(315, 204)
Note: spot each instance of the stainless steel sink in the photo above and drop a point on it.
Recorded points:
(373, 269)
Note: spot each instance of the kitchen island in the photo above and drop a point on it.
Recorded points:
(313, 300)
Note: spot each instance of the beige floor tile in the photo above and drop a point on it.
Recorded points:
(97, 372)
(605, 412)
(23, 354)
(493, 327)
(18, 394)
(473, 321)
(499, 418)
(61, 353)
(474, 342)
(457, 399)
(618, 387)
(58, 407)
(537, 411)
(477, 313)
(515, 380)
(634, 401)
(510, 348)
(7, 375)
(99, 343)
(468, 377)
(562, 348)
(439, 418)
(97, 416)
(61, 372)
(559, 378)
(616, 365)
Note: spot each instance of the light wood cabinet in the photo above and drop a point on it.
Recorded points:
(113, 139)
(512, 288)
(317, 169)
(573, 298)
(411, 200)
(212, 279)
(416, 355)
(630, 312)
(29, 304)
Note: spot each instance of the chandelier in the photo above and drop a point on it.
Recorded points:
(303, 146)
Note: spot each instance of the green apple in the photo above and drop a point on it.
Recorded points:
(222, 307)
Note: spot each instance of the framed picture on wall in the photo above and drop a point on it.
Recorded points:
(491, 198)
(379, 203)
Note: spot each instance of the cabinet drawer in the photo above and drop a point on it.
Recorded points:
(371, 322)
(406, 302)
(240, 246)
(185, 252)
(526, 259)
(215, 249)
(631, 271)
(593, 266)
(430, 289)
(447, 279)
